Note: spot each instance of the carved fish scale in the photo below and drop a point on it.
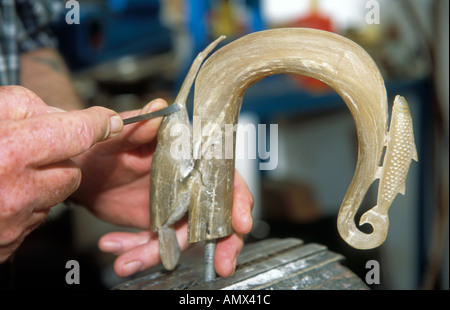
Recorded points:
(399, 152)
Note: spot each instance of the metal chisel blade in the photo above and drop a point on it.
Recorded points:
(169, 110)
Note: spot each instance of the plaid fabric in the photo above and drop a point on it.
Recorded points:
(23, 27)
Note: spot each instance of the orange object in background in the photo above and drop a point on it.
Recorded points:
(317, 20)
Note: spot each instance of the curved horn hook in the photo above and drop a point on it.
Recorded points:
(204, 181)
(220, 87)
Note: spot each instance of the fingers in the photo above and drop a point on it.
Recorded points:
(140, 251)
(37, 143)
(14, 227)
(120, 242)
(52, 184)
(139, 133)
(37, 134)
(51, 138)
(241, 213)
(227, 251)
(228, 248)
(137, 251)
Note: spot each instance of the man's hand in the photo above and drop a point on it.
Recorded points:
(139, 251)
(36, 173)
(44, 151)
(115, 188)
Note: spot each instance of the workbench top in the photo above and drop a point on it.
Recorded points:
(271, 264)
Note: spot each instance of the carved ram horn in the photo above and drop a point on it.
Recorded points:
(203, 182)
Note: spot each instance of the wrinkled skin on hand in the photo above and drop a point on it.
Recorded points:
(48, 155)
(36, 172)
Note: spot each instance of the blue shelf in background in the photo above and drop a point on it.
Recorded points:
(112, 29)
(280, 95)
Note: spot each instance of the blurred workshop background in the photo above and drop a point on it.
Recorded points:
(124, 53)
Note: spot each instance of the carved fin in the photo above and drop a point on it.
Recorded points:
(414, 154)
(401, 190)
(169, 250)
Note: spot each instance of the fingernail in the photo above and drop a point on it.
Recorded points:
(111, 246)
(147, 108)
(116, 125)
(233, 264)
(151, 106)
(132, 267)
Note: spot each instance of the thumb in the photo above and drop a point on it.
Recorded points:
(54, 137)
